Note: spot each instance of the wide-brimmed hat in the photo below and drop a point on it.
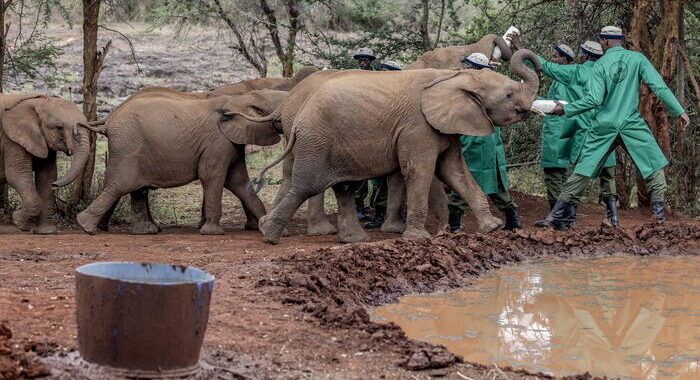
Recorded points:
(611, 33)
(390, 65)
(565, 51)
(478, 60)
(364, 53)
(592, 48)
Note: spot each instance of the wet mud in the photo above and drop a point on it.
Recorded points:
(339, 285)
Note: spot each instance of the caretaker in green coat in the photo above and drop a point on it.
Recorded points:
(562, 137)
(486, 160)
(614, 88)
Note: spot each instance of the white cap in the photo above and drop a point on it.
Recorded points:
(391, 65)
(611, 32)
(566, 51)
(364, 53)
(592, 48)
(477, 59)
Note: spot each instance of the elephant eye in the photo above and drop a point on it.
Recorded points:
(509, 95)
(60, 127)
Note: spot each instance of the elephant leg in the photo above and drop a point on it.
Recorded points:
(212, 173)
(141, 222)
(317, 220)
(452, 170)
(93, 214)
(272, 225)
(104, 222)
(287, 167)
(20, 175)
(395, 201)
(418, 174)
(437, 206)
(350, 230)
(237, 182)
(46, 174)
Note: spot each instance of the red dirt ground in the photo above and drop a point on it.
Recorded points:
(264, 323)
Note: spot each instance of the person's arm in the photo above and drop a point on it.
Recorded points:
(653, 79)
(593, 97)
(560, 73)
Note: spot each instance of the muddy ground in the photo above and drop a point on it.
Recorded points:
(300, 309)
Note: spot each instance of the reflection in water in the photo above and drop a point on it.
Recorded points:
(627, 317)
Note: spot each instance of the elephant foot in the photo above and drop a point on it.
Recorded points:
(394, 227)
(83, 221)
(20, 220)
(271, 233)
(103, 226)
(45, 229)
(251, 225)
(323, 227)
(412, 233)
(143, 228)
(211, 229)
(354, 236)
(489, 223)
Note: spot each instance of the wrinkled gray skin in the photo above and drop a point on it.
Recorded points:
(412, 125)
(449, 57)
(162, 139)
(34, 128)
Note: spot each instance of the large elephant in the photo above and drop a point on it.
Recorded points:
(412, 125)
(450, 57)
(173, 139)
(34, 128)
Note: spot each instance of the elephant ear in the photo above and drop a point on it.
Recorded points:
(22, 125)
(239, 130)
(451, 105)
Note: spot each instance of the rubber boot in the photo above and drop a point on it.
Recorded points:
(562, 216)
(361, 210)
(455, 221)
(611, 205)
(378, 219)
(512, 219)
(657, 210)
(543, 223)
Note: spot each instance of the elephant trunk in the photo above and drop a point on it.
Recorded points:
(525, 72)
(506, 51)
(81, 154)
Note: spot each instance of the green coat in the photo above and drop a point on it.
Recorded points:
(571, 131)
(557, 136)
(486, 160)
(614, 88)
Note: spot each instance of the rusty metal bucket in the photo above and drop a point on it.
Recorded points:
(142, 320)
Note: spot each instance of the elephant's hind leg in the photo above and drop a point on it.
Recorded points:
(317, 220)
(237, 182)
(350, 230)
(91, 216)
(141, 222)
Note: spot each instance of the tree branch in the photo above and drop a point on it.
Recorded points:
(128, 40)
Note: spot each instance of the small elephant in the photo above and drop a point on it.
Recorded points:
(413, 125)
(34, 128)
(176, 138)
(449, 57)
(281, 84)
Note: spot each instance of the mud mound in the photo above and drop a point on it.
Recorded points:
(338, 285)
(17, 363)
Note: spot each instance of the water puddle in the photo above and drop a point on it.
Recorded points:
(628, 317)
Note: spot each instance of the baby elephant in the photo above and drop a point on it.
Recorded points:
(172, 139)
(34, 128)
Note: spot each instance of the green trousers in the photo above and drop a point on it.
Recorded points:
(380, 190)
(575, 186)
(503, 200)
(555, 178)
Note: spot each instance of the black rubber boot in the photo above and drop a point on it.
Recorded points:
(543, 223)
(611, 205)
(378, 219)
(551, 205)
(455, 221)
(512, 219)
(361, 211)
(657, 210)
(562, 216)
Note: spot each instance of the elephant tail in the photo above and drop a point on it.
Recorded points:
(97, 126)
(256, 184)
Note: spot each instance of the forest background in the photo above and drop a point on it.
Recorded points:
(73, 49)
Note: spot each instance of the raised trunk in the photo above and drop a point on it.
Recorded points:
(506, 51)
(527, 74)
(81, 157)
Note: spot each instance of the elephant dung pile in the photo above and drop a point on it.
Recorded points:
(16, 363)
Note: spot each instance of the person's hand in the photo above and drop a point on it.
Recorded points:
(515, 39)
(685, 122)
(558, 109)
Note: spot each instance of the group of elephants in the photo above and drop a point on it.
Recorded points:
(160, 138)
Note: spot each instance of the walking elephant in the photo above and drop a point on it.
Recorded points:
(34, 128)
(175, 138)
(413, 126)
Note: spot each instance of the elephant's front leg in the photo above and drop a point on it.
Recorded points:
(19, 173)
(317, 220)
(46, 174)
(350, 230)
(141, 222)
(213, 169)
(237, 182)
(395, 201)
(417, 165)
(452, 170)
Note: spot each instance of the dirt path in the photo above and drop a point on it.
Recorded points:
(271, 319)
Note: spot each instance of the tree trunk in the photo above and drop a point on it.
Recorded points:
(4, 199)
(424, 27)
(294, 26)
(93, 61)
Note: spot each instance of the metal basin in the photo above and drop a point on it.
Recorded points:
(143, 320)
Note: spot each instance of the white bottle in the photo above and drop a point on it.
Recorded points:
(496, 50)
